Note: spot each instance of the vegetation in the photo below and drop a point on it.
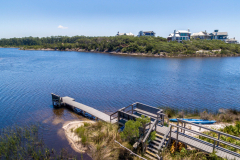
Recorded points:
(222, 115)
(233, 130)
(181, 153)
(129, 44)
(24, 143)
(100, 138)
(131, 130)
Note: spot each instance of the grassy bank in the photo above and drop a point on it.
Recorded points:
(99, 139)
(127, 44)
(26, 143)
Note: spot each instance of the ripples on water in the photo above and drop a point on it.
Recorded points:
(109, 82)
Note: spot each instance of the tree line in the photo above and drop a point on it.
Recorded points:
(129, 44)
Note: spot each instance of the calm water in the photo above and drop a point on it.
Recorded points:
(108, 82)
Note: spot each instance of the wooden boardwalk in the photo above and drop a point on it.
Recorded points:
(200, 144)
(84, 108)
(137, 109)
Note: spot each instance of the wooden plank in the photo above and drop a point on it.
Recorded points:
(96, 113)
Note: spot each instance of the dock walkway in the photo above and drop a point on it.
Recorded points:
(84, 108)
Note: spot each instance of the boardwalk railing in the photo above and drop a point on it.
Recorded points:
(217, 132)
(215, 140)
(147, 135)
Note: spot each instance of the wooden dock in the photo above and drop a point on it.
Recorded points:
(68, 101)
(165, 134)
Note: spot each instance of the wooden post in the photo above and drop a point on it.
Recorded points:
(181, 125)
(177, 133)
(184, 127)
(156, 123)
(214, 145)
(170, 134)
(118, 116)
(163, 120)
(132, 109)
(218, 139)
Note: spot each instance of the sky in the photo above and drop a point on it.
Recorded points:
(42, 18)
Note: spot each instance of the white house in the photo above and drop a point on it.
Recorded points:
(232, 40)
(179, 35)
(201, 35)
(126, 34)
(146, 33)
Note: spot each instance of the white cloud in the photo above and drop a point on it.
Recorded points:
(61, 27)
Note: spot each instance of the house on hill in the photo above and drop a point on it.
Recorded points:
(201, 35)
(146, 33)
(232, 40)
(223, 36)
(179, 35)
(125, 34)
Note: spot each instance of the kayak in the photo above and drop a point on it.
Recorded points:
(197, 121)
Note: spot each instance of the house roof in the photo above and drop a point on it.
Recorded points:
(200, 34)
(183, 31)
(148, 32)
(220, 33)
(128, 34)
(176, 35)
(231, 40)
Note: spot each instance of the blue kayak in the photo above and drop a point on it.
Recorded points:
(197, 121)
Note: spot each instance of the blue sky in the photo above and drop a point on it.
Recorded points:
(21, 18)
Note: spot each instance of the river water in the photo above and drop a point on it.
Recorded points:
(108, 82)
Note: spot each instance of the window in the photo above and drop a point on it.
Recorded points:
(183, 38)
(180, 38)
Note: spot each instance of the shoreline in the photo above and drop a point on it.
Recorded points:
(73, 139)
(164, 55)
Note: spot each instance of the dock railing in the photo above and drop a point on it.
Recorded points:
(215, 140)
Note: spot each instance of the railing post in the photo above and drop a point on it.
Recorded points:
(156, 123)
(184, 127)
(177, 133)
(218, 139)
(170, 134)
(118, 116)
(163, 120)
(132, 109)
(214, 145)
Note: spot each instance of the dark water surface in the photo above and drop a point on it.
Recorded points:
(108, 82)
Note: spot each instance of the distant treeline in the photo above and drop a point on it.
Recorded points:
(151, 45)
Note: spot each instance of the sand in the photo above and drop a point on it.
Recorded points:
(72, 138)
